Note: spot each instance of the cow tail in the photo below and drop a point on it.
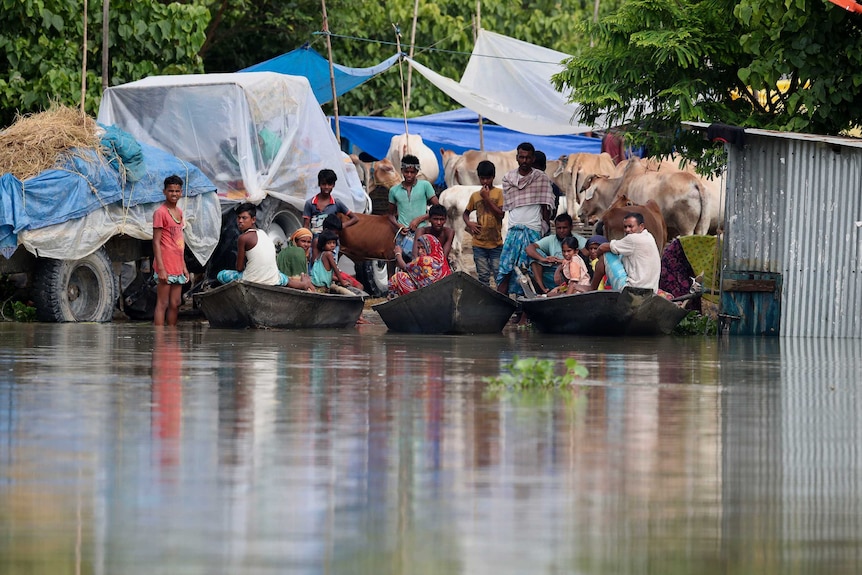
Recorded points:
(702, 226)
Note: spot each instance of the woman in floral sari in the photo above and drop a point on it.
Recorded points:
(427, 267)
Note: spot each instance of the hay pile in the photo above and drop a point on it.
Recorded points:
(35, 142)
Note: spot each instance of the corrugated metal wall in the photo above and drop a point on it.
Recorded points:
(792, 206)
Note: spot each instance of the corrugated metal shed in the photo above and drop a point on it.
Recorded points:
(794, 208)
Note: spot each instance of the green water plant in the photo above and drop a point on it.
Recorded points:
(696, 324)
(531, 373)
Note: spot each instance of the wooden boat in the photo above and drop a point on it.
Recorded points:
(627, 312)
(457, 304)
(244, 304)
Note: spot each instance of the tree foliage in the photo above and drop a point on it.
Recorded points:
(41, 43)
(782, 65)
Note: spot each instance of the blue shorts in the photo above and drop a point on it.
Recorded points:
(180, 279)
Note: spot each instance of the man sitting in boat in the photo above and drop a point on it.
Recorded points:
(255, 255)
(632, 261)
(437, 228)
(547, 253)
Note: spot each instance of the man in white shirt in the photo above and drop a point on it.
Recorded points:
(638, 253)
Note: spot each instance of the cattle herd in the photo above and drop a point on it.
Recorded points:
(674, 199)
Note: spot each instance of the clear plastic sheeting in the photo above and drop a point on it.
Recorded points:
(508, 81)
(253, 133)
(80, 237)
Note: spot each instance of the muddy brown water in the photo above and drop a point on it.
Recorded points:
(126, 449)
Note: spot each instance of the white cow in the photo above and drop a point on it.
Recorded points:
(460, 169)
(401, 145)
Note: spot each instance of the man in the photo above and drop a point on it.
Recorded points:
(255, 255)
(547, 253)
(528, 199)
(437, 228)
(408, 202)
(638, 253)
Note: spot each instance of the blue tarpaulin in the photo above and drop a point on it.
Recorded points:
(372, 135)
(84, 184)
(305, 61)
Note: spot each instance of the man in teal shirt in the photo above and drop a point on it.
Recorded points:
(408, 203)
(547, 253)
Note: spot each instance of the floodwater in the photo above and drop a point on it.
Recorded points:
(125, 449)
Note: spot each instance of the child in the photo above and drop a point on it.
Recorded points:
(324, 271)
(320, 206)
(592, 248)
(573, 275)
(487, 229)
(438, 229)
(168, 248)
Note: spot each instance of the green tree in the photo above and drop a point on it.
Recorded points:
(789, 65)
(41, 44)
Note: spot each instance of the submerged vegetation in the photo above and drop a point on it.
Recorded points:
(696, 324)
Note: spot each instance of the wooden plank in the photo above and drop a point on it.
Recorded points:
(738, 285)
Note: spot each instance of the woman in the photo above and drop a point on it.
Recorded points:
(427, 267)
(293, 258)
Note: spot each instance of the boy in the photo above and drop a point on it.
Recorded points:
(438, 229)
(488, 227)
(168, 248)
(408, 203)
(317, 208)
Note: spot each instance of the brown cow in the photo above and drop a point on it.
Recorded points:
(460, 169)
(377, 173)
(371, 238)
(684, 203)
(612, 220)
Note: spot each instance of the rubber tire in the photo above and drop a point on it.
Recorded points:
(374, 276)
(278, 219)
(75, 290)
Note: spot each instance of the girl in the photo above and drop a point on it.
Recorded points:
(573, 275)
(593, 250)
(427, 266)
(325, 271)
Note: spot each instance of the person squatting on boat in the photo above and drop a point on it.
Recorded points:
(427, 266)
(255, 255)
(325, 274)
(293, 258)
(632, 261)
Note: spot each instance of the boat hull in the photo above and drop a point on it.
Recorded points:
(243, 304)
(457, 304)
(606, 312)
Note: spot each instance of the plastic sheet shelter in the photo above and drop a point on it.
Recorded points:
(508, 81)
(254, 133)
(306, 62)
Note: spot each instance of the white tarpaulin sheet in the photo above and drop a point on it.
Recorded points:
(253, 133)
(508, 81)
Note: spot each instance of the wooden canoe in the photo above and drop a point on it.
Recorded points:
(457, 304)
(243, 304)
(606, 312)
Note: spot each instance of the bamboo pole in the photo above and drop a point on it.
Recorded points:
(401, 72)
(84, 63)
(331, 71)
(105, 49)
(412, 49)
(475, 38)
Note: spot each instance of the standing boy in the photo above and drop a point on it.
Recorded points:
(168, 248)
(408, 202)
(487, 230)
(437, 228)
(321, 205)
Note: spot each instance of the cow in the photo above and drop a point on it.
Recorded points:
(684, 203)
(377, 177)
(460, 169)
(573, 170)
(612, 220)
(371, 238)
(403, 144)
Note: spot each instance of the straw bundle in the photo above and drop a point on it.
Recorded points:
(35, 142)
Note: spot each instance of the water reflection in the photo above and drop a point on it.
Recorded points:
(125, 449)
